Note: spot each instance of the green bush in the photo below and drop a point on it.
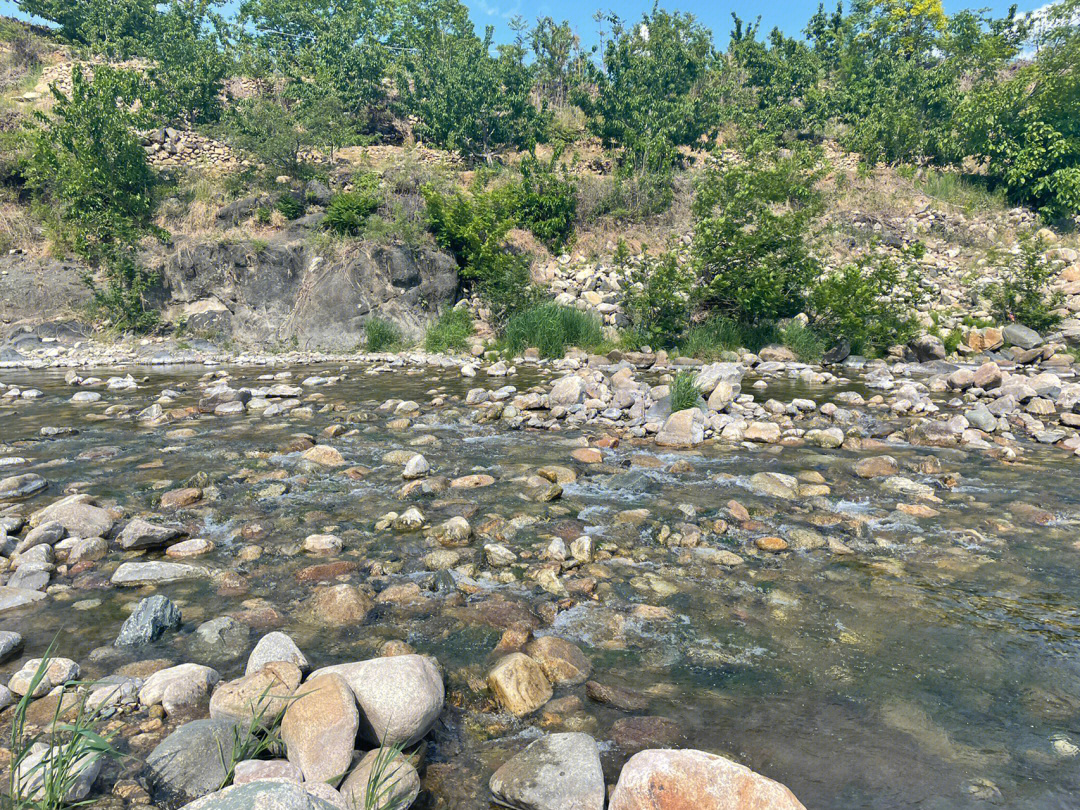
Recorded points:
(270, 131)
(450, 333)
(348, 212)
(752, 226)
(381, 335)
(112, 28)
(657, 299)
(684, 392)
(870, 302)
(551, 328)
(289, 207)
(1023, 294)
(546, 201)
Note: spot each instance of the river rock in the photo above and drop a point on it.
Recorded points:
(149, 573)
(148, 622)
(223, 638)
(681, 780)
(12, 598)
(10, 643)
(324, 456)
(187, 764)
(562, 662)
(776, 485)
(340, 605)
(319, 729)
(400, 696)
(78, 515)
(58, 672)
(178, 688)
(556, 772)
(17, 487)
(48, 534)
(519, 684)
(262, 795)
(567, 392)
(139, 534)
(400, 780)
(876, 467)
(275, 646)
(38, 767)
(1019, 335)
(255, 770)
(684, 428)
(264, 693)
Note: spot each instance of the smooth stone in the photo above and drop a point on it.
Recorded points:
(187, 764)
(262, 795)
(319, 729)
(556, 772)
(399, 787)
(519, 684)
(140, 534)
(266, 694)
(149, 573)
(562, 662)
(275, 646)
(78, 515)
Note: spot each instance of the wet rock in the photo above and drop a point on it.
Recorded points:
(255, 770)
(775, 485)
(187, 764)
(140, 534)
(17, 487)
(10, 644)
(265, 693)
(628, 700)
(220, 639)
(78, 515)
(399, 787)
(324, 456)
(189, 548)
(453, 532)
(87, 549)
(180, 688)
(771, 544)
(180, 498)
(556, 772)
(319, 729)
(150, 620)
(149, 573)
(340, 605)
(400, 697)
(562, 662)
(519, 684)
(682, 429)
(634, 734)
(12, 598)
(876, 467)
(587, 455)
(48, 534)
(763, 432)
(472, 481)
(275, 646)
(498, 556)
(416, 467)
(674, 780)
(322, 544)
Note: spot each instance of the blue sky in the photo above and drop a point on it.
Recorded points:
(789, 15)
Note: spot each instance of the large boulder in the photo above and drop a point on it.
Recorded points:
(1016, 334)
(567, 391)
(400, 696)
(664, 779)
(319, 728)
(187, 764)
(556, 772)
(684, 428)
(264, 694)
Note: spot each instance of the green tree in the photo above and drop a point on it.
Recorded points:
(752, 220)
(464, 97)
(269, 130)
(87, 167)
(558, 60)
(657, 298)
(113, 28)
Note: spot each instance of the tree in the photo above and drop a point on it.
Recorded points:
(558, 61)
(88, 167)
(465, 98)
(751, 224)
(267, 128)
(1025, 125)
(112, 28)
(189, 54)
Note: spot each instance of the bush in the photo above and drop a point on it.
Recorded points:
(551, 328)
(382, 335)
(348, 212)
(870, 302)
(450, 333)
(657, 299)
(269, 131)
(289, 207)
(546, 201)
(112, 28)
(1023, 294)
(684, 392)
(752, 222)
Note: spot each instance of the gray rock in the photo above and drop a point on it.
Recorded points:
(18, 487)
(261, 796)
(275, 646)
(220, 638)
(141, 534)
(30, 578)
(927, 348)
(10, 643)
(45, 534)
(187, 764)
(148, 622)
(78, 516)
(556, 772)
(148, 573)
(12, 598)
(1019, 335)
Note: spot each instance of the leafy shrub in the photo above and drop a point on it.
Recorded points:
(382, 335)
(348, 212)
(289, 207)
(268, 130)
(870, 302)
(546, 201)
(114, 29)
(657, 299)
(262, 215)
(751, 226)
(1023, 294)
(953, 340)
(551, 328)
(684, 392)
(450, 333)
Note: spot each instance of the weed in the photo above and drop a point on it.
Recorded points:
(684, 392)
(382, 335)
(450, 333)
(551, 328)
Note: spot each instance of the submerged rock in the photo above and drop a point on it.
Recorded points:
(556, 772)
(152, 617)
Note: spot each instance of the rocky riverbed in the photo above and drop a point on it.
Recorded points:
(857, 581)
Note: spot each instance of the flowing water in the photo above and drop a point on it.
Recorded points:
(938, 666)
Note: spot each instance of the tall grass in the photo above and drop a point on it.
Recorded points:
(707, 340)
(450, 333)
(803, 341)
(382, 335)
(551, 328)
(961, 191)
(684, 393)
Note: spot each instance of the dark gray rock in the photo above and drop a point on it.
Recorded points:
(1017, 334)
(220, 639)
(152, 617)
(141, 534)
(187, 764)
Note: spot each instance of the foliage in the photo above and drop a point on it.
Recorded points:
(558, 61)
(88, 167)
(382, 335)
(289, 207)
(450, 333)
(72, 746)
(657, 299)
(112, 28)
(465, 98)
(751, 224)
(348, 212)
(189, 53)
(546, 201)
(870, 302)
(261, 735)
(804, 342)
(266, 128)
(380, 792)
(1023, 296)
(551, 328)
(684, 392)
(1025, 124)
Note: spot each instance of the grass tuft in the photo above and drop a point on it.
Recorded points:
(450, 333)
(684, 393)
(551, 329)
(382, 335)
